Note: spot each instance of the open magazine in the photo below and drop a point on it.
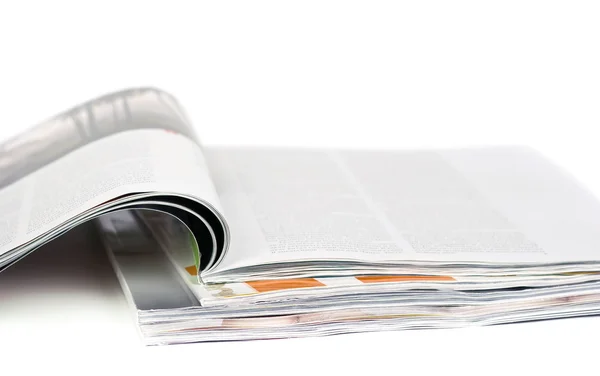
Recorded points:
(229, 243)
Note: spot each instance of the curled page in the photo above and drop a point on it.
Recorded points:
(130, 149)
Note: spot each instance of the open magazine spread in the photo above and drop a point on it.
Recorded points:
(238, 243)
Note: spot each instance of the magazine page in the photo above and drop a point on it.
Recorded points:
(505, 205)
(130, 142)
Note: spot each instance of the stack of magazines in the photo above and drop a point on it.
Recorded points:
(241, 243)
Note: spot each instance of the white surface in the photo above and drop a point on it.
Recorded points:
(313, 73)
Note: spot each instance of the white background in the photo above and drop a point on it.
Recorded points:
(360, 74)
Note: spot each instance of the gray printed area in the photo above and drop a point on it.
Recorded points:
(122, 111)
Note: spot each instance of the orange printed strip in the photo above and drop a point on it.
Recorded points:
(284, 284)
(191, 270)
(403, 278)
